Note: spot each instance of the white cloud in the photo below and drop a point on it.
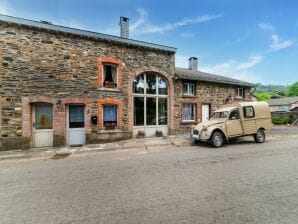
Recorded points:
(266, 26)
(231, 68)
(142, 26)
(277, 44)
(142, 18)
(253, 60)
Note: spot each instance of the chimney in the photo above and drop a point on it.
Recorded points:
(193, 63)
(124, 27)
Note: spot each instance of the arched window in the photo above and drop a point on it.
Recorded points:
(150, 96)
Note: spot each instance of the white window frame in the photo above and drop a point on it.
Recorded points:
(157, 96)
(195, 108)
(117, 107)
(238, 90)
(188, 89)
(102, 73)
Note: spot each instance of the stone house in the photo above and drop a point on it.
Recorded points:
(63, 86)
(198, 94)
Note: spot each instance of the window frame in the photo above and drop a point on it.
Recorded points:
(237, 92)
(233, 112)
(188, 89)
(244, 112)
(117, 117)
(195, 111)
(157, 95)
(103, 75)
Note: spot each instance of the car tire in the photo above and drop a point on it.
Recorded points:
(217, 139)
(260, 136)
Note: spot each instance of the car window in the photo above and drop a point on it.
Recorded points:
(234, 115)
(248, 112)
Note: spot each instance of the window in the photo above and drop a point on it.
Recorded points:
(188, 112)
(248, 111)
(240, 92)
(234, 115)
(150, 100)
(110, 75)
(188, 89)
(110, 115)
(76, 116)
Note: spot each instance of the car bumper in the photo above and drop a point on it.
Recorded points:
(195, 136)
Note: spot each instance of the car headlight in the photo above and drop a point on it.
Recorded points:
(195, 132)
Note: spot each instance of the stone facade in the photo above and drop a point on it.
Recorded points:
(62, 69)
(44, 66)
(212, 94)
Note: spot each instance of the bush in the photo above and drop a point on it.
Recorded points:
(282, 119)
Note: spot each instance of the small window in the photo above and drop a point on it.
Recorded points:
(110, 75)
(240, 92)
(234, 115)
(110, 115)
(188, 89)
(188, 112)
(248, 112)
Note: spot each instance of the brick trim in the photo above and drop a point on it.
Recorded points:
(110, 101)
(110, 60)
(59, 115)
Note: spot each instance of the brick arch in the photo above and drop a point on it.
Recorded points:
(110, 101)
(170, 82)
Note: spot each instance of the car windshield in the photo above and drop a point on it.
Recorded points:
(218, 115)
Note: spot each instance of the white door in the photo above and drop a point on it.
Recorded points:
(205, 112)
(42, 125)
(76, 125)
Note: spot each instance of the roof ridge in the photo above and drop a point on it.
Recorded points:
(81, 32)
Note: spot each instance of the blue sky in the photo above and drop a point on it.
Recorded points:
(252, 40)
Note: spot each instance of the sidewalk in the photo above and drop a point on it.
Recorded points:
(277, 133)
(56, 153)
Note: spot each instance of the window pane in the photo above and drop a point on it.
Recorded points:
(162, 86)
(151, 83)
(138, 84)
(109, 75)
(151, 111)
(138, 111)
(162, 111)
(43, 116)
(248, 112)
(76, 116)
(110, 115)
(191, 89)
(185, 88)
(188, 112)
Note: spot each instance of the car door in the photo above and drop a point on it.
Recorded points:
(233, 124)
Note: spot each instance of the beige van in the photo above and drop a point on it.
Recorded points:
(235, 120)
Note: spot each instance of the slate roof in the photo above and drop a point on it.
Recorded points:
(183, 73)
(44, 25)
(282, 101)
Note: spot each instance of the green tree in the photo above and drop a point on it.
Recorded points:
(263, 96)
(293, 90)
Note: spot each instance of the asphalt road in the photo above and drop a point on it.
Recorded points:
(240, 183)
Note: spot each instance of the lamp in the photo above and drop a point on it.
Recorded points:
(59, 104)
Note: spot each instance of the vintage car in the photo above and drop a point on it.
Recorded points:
(235, 120)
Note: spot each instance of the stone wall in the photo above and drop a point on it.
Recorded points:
(59, 66)
(212, 94)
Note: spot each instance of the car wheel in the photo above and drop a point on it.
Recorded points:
(260, 136)
(217, 139)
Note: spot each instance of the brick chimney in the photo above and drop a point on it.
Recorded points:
(193, 63)
(124, 27)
